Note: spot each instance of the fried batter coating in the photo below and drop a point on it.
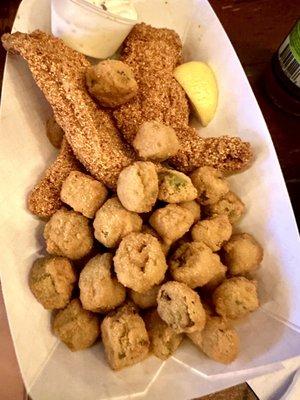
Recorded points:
(216, 280)
(213, 232)
(113, 222)
(111, 83)
(175, 187)
(225, 153)
(218, 340)
(76, 327)
(146, 299)
(140, 262)
(193, 207)
(155, 141)
(124, 337)
(195, 264)
(44, 199)
(180, 307)
(171, 222)
(164, 245)
(99, 290)
(83, 193)
(210, 184)
(242, 254)
(59, 71)
(163, 340)
(54, 132)
(153, 54)
(137, 186)
(235, 298)
(52, 280)
(230, 205)
(68, 234)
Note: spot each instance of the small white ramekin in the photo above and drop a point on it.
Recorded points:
(87, 28)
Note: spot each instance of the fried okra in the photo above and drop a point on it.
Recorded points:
(99, 290)
(180, 307)
(218, 340)
(213, 232)
(113, 222)
(210, 184)
(124, 337)
(171, 222)
(242, 254)
(163, 339)
(193, 207)
(175, 187)
(68, 234)
(195, 264)
(164, 245)
(76, 327)
(137, 186)
(235, 298)
(140, 262)
(147, 299)
(111, 83)
(216, 280)
(230, 205)
(83, 193)
(156, 141)
(52, 280)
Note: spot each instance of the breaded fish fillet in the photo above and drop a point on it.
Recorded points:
(59, 71)
(44, 199)
(153, 54)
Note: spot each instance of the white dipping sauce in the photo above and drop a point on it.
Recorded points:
(95, 28)
(122, 8)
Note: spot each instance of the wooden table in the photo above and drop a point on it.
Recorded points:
(256, 29)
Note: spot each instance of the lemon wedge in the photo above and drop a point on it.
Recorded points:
(200, 85)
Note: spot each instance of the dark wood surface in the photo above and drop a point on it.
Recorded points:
(256, 28)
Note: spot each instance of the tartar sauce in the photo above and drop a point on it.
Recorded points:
(122, 8)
